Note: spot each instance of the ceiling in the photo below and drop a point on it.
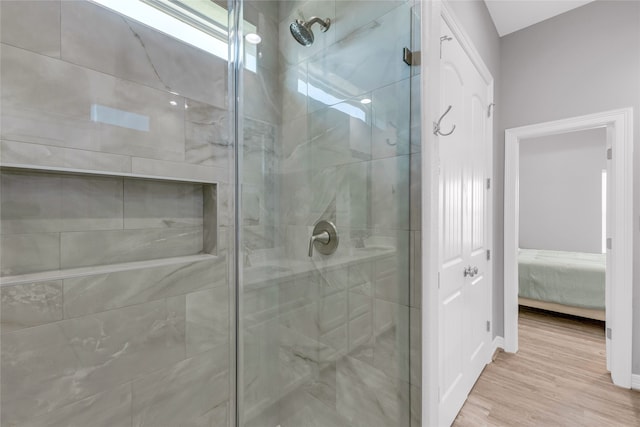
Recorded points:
(513, 15)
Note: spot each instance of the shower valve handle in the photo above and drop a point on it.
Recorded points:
(324, 238)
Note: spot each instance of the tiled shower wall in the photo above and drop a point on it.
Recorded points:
(115, 304)
(333, 340)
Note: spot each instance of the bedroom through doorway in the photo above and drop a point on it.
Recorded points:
(562, 224)
(568, 223)
(562, 250)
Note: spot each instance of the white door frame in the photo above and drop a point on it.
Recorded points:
(619, 124)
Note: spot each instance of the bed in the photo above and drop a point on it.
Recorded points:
(565, 282)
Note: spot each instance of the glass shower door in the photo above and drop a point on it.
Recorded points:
(325, 134)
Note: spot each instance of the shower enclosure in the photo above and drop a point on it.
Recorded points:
(167, 168)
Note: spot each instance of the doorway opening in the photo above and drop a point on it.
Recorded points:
(618, 127)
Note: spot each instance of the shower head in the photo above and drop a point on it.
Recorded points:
(301, 29)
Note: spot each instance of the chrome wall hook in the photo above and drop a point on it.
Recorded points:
(436, 125)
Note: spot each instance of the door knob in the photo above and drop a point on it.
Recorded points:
(470, 271)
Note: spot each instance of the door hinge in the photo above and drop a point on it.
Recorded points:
(409, 57)
(609, 333)
(438, 280)
(490, 109)
(488, 326)
(488, 183)
(609, 153)
(488, 254)
(609, 243)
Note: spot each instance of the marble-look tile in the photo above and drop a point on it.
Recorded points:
(295, 146)
(301, 409)
(93, 294)
(217, 417)
(340, 134)
(361, 278)
(390, 193)
(36, 202)
(58, 109)
(225, 195)
(181, 393)
(111, 408)
(29, 253)
(103, 40)
(91, 203)
(210, 217)
(266, 24)
(391, 348)
(261, 363)
(98, 38)
(263, 97)
(347, 69)
(31, 25)
(332, 311)
(359, 301)
(333, 281)
(25, 154)
(158, 204)
(293, 81)
(368, 398)
(391, 113)
(47, 367)
(30, 202)
(88, 248)
(161, 168)
(351, 15)
(392, 278)
(361, 335)
(31, 304)
(296, 198)
(298, 359)
(208, 323)
(355, 195)
(297, 292)
(207, 139)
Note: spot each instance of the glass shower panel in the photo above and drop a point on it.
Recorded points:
(115, 214)
(325, 134)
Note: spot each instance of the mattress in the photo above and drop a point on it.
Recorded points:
(570, 278)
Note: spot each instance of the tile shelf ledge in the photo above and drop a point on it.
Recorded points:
(50, 275)
(75, 171)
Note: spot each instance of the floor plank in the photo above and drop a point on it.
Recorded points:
(557, 378)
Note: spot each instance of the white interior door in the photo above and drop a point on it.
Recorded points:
(464, 299)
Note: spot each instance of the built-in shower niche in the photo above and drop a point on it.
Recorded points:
(59, 223)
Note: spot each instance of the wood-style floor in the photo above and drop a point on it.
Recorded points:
(557, 378)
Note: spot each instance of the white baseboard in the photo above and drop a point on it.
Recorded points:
(635, 382)
(498, 342)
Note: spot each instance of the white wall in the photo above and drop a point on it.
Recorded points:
(561, 191)
(581, 62)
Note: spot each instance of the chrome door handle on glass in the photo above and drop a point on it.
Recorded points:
(324, 238)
